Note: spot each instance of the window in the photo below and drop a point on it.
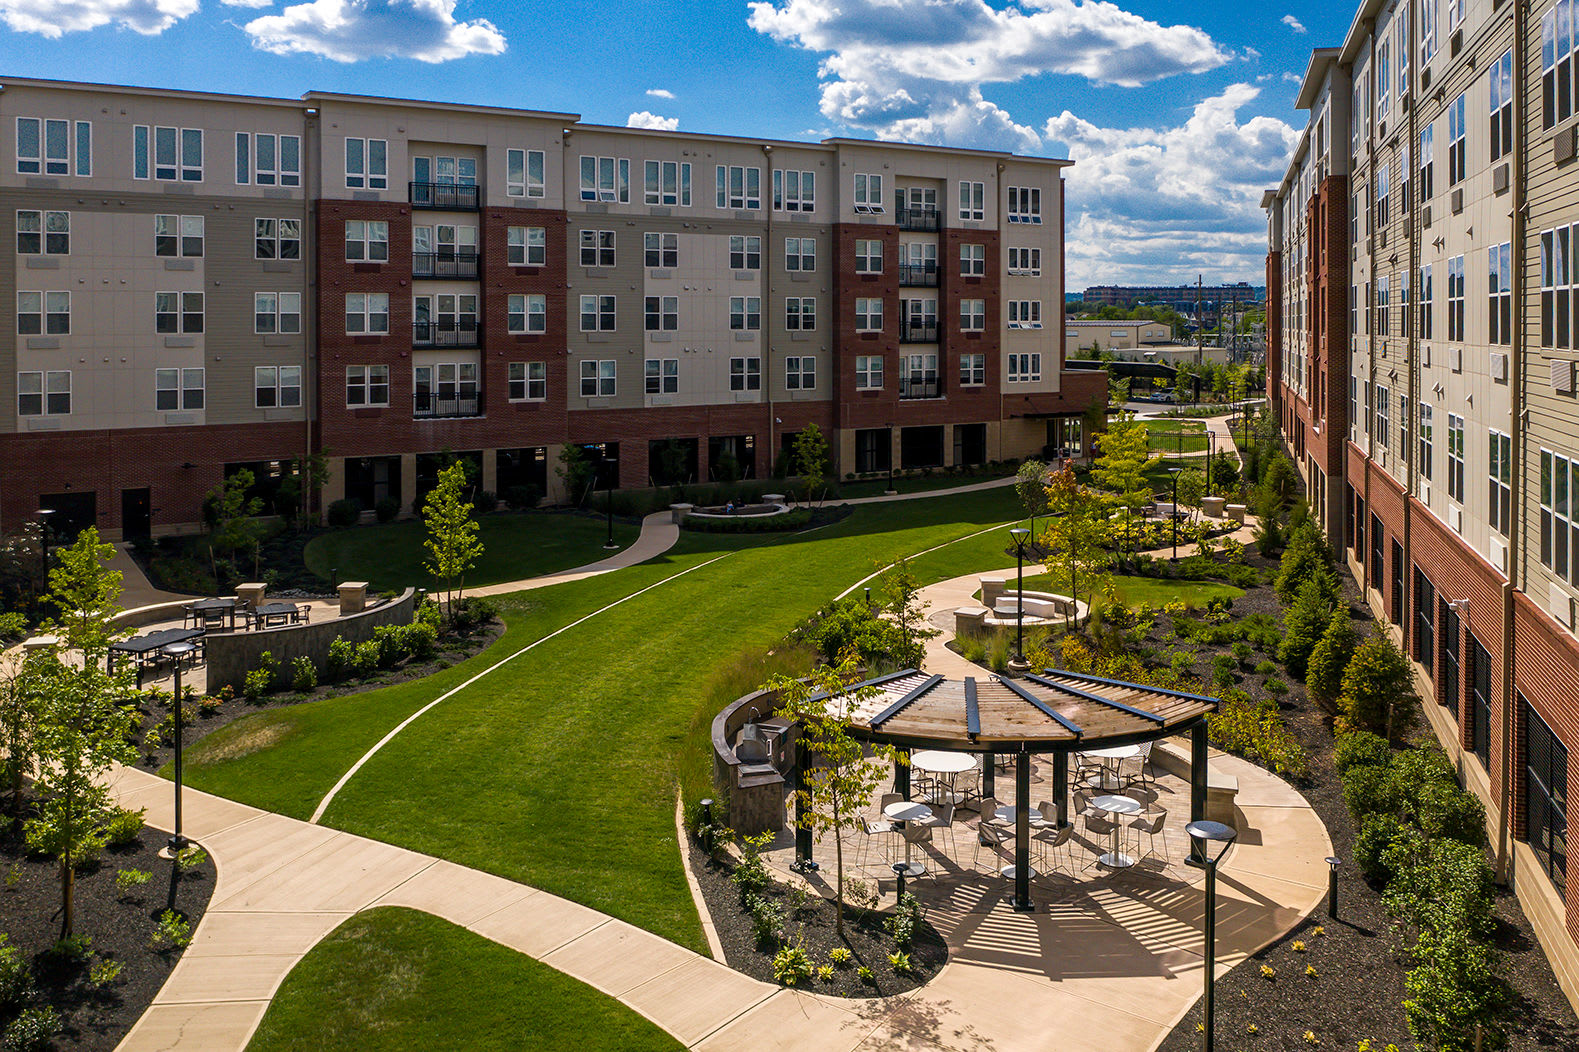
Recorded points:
(527, 246)
(794, 191)
(277, 312)
(1501, 481)
(1383, 415)
(868, 257)
(176, 389)
(1500, 79)
(364, 241)
(745, 253)
(526, 313)
(268, 159)
(800, 253)
(1449, 645)
(1557, 48)
(972, 200)
(1425, 302)
(868, 372)
(278, 239)
(1455, 457)
(972, 260)
(1427, 163)
(1427, 30)
(44, 147)
(667, 183)
(868, 193)
(1499, 292)
(1025, 261)
(745, 313)
(177, 153)
(277, 386)
(447, 318)
(869, 315)
(178, 312)
(800, 313)
(1455, 14)
(366, 385)
(598, 379)
(1546, 797)
(597, 313)
(29, 152)
(1024, 368)
(745, 374)
(662, 375)
(800, 373)
(1382, 188)
(1383, 296)
(1456, 128)
(1559, 530)
(597, 248)
(1559, 293)
(1425, 619)
(366, 312)
(1425, 441)
(739, 187)
(43, 233)
(43, 313)
(1455, 299)
(972, 370)
(43, 393)
(662, 313)
(367, 164)
(528, 381)
(972, 315)
(1480, 701)
(661, 250)
(1025, 314)
(1384, 79)
(178, 236)
(523, 175)
(1025, 204)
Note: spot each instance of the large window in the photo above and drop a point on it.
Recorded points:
(868, 371)
(1425, 302)
(1559, 530)
(1425, 440)
(1455, 299)
(367, 164)
(745, 252)
(598, 379)
(800, 313)
(277, 312)
(1500, 79)
(366, 313)
(1557, 50)
(972, 315)
(661, 313)
(1427, 163)
(972, 261)
(167, 154)
(526, 313)
(605, 179)
(1455, 457)
(1025, 368)
(1480, 701)
(268, 159)
(868, 192)
(526, 246)
(1499, 293)
(1425, 623)
(524, 173)
(528, 381)
(277, 239)
(598, 313)
(1559, 292)
(178, 312)
(1448, 645)
(1025, 204)
(366, 385)
(43, 313)
(597, 248)
(660, 250)
(43, 233)
(738, 187)
(662, 376)
(868, 257)
(1025, 314)
(367, 241)
(1545, 796)
(45, 147)
(277, 386)
(667, 183)
(793, 191)
(1456, 153)
(972, 370)
(745, 313)
(745, 374)
(972, 198)
(800, 254)
(869, 314)
(1501, 481)
(176, 389)
(43, 393)
(800, 373)
(178, 236)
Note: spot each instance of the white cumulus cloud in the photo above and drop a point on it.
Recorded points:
(353, 30)
(915, 68)
(51, 18)
(248, 3)
(645, 119)
(660, 93)
(1293, 23)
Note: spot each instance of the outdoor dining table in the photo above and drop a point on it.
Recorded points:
(203, 607)
(1110, 777)
(948, 765)
(272, 614)
(1007, 815)
(146, 648)
(1116, 805)
(905, 812)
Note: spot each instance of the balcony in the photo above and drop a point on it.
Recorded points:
(436, 406)
(923, 220)
(465, 333)
(920, 387)
(915, 332)
(447, 197)
(444, 265)
(918, 275)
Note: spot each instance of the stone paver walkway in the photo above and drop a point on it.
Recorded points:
(136, 589)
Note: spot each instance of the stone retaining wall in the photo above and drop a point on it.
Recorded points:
(231, 655)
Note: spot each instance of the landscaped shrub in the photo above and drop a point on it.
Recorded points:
(1360, 749)
(386, 509)
(421, 639)
(1377, 834)
(255, 686)
(32, 1030)
(123, 827)
(1257, 732)
(796, 519)
(486, 501)
(304, 674)
(1329, 659)
(850, 624)
(1378, 690)
(1369, 791)
(767, 919)
(523, 498)
(471, 612)
(390, 640)
(792, 966)
(343, 513)
(1446, 811)
(340, 659)
(1303, 626)
(1453, 985)
(16, 978)
(751, 875)
(1307, 554)
(365, 663)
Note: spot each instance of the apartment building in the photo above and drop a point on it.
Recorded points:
(204, 282)
(1421, 363)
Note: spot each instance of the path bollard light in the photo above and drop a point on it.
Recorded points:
(1204, 834)
(899, 874)
(178, 651)
(1173, 512)
(609, 467)
(707, 826)
(1333, 863)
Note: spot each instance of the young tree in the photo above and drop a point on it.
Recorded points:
(1303, 626)
(1225, 472)
(1117, 390)
(1192, 487)
(902, 604)
(87, 594)
(575, 471)
(234, 514)
(839, 779)
(811, 459)
(452, 542)
(1123, 455)
(1076, 534)
(1324, 672)
(18, 726)
(1030, 486)
(1306, 554)
(1379, 690)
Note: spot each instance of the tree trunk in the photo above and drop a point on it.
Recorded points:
(838, 865)
(67, 878)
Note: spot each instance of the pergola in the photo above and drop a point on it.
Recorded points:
(1054, 711)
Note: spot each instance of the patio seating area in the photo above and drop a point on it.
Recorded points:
(200, 619)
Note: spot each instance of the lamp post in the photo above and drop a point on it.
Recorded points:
(1173, 512)
(1203, 834)
(1019, 533)
(891, 489)
(610, 465)
(43, 554)
(177, 651)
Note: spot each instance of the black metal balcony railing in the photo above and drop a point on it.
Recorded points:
(444, 264)
(433, 405)
(446, 196)
(918, 275)
(922, 387)
(446, 334)
(924, 220)
(910, 332)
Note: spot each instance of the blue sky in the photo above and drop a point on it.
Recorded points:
(1177, 115)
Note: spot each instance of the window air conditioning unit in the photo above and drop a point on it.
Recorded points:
(1563, 145)
(1499, 179)
(1561, 606)
(1458, 200)
(1425, 216)
(1499, 367)
(1563, 376)
(1455, 359)
(1499, 555)
(1455, 518)
(1455, 44)
(1425, 492)
(1425, 354)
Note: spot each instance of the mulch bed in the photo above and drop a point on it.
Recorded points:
(120, 927)
(810, 921)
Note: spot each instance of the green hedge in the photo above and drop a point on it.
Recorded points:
(794, 519)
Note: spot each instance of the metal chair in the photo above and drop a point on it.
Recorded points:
(1149, 824)
(1101, 826)
(989, 835)
(870, 829)
(942, 819)
(1143, 773)
(1049, 838)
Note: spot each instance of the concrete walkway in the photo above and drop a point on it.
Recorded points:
(136, 589)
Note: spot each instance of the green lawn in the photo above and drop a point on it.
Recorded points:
(389, 555)
(397, 979)
(565, 759)
(906, 484)
(1136, 590)
(1165, 435)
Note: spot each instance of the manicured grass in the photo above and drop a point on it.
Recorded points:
(1136, 590)
(397, 979)
(1165, 437)
(559, 770)
(907, 484)
(389, 555)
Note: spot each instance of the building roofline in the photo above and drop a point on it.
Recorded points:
(1321, 60)
(1060, 162)
(132, 89)
(1360, 28)
(431, 104)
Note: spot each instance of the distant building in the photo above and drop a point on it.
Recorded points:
(1181, 298)
(1114, 335)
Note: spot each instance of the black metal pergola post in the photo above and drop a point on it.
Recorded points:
(1022, 834)
(1197, 784)
(1061, 786)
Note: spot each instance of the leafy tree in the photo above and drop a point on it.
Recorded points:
(1378, 692)
(1306, 554)
(1117, 390)
(1282, 480)
(1030, 486)
(849, 626)
(1225, 472)
(902, 604)
(452, 542)
(575, 471)
(87, 593)
(18, 726)
(1076, 534)
(234, 514)
(1303, 626)
(838, 777)
(1192, 487)
(1269, 523)
(1324, 671)
(811, 459)
(1123, 455)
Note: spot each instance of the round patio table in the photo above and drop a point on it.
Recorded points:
(946, 764)
(1007, 814)
(1112, 758)
(905, 812)
(1116, 805)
